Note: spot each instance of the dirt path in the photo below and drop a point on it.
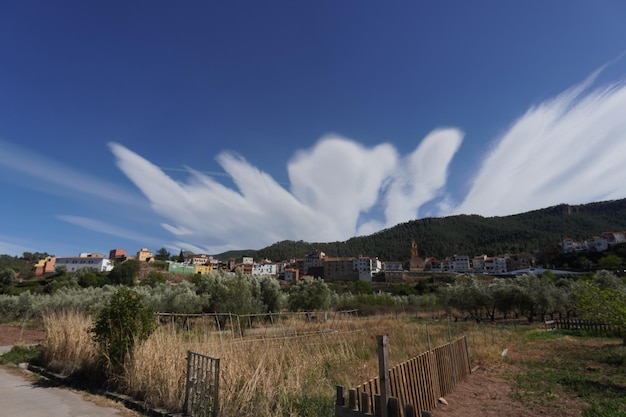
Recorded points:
(484, 394)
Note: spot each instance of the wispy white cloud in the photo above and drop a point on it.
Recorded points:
(60, 178)
(568, 149)
(332, 185)
(106, 228)
(12, 248)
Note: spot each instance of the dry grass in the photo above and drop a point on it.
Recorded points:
(273, 376)
(68, 347)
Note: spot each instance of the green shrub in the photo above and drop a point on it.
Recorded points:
(154, 278)
(123, 322)
(309, 294)
(125, 273)
(19, 354)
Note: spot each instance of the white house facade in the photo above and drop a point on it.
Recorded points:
(73, 264)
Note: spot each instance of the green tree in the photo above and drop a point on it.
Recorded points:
(124, 322)
(309, 294)
(181, 257)
(535, 296)
(88, 277)
(470, 296)
(162, 255)
(611, 262)
(7, 277)
(154, 278)
(604, 305)
(125, 273)
(271, 295)
(606, 280)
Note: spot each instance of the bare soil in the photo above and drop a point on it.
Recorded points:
(14, 335)
(487, 393)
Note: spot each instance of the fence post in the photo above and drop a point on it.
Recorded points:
(454, 376)
(188, 384)
(383, 373)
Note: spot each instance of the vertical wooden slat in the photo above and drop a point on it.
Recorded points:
(413, 382)
(409, 411)
(378, 406)
(340, 400)
(365, 403)
(352, 399)
(406, 388)
(414, 385)
(383, 372)
(393, 407)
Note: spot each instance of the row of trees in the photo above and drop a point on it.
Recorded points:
(216, 292)
(601, 297)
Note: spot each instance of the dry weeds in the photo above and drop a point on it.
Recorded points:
(270, 376)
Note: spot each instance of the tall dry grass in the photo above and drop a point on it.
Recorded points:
(278, 376)
(272, 376)
(68, 347)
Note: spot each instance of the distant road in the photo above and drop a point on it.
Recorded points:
(20, 396)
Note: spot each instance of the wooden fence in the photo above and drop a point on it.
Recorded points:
(411, 388)
(578, 324)
(258, 326)
(202, 388)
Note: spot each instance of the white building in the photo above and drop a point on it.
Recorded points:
(201, 259)
(478, 263)
(367, 267)
(458, 263)
(264, 269)
(96, 262)
(599, 244)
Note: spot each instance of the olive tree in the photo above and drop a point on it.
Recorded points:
(125, 273)
(600, 302)
(309, 294)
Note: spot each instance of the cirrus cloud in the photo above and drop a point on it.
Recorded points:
(332, 186)
(567, 149)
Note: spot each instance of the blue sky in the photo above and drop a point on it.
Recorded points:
(211, 126)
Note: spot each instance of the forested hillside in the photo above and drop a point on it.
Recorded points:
(470, 234)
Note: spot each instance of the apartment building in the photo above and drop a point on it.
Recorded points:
(340, 269)
(95, 261)
(367, 267)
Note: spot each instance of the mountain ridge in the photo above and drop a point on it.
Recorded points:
(534, 231)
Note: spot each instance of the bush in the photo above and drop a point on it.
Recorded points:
(19, 354)
(154, 278)
(122, 323)
(125, 273)
(309, 294)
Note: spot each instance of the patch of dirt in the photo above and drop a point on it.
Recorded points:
(14, 335)
(487, 393)
(483, 394)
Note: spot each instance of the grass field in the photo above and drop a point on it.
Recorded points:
(296, 376)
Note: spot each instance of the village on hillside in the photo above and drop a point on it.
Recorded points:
(318, 265)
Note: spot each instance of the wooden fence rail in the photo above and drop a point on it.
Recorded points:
(416, 385)
(577, 324)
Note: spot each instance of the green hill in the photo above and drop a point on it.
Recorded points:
(539, 230)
